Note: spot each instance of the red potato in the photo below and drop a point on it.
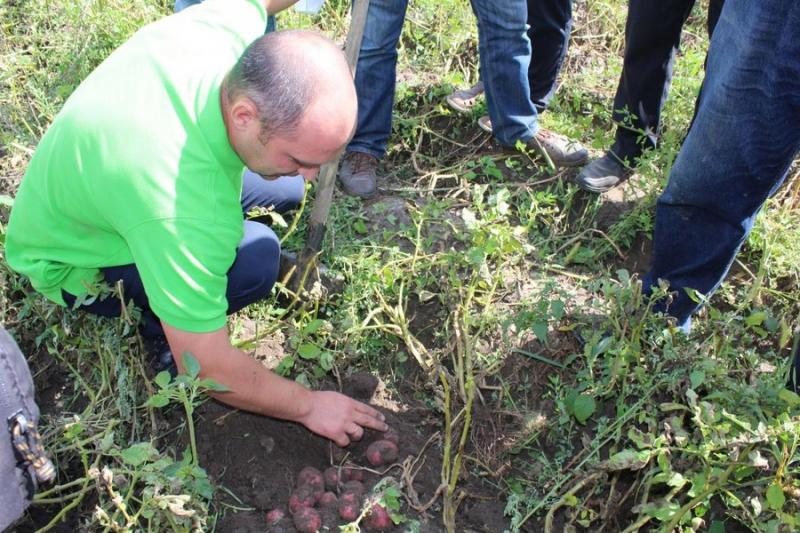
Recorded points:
(275, 516)
(350, 473)
(350, 505)
(392, 435)
(328, 499)
(354, 486)
(378, 519)
(310, 476)
(304, 497)
(307, 520)
(382, 452)
(331, 476)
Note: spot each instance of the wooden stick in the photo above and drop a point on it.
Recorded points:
(327, 175)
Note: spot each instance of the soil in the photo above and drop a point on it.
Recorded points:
(257, 459)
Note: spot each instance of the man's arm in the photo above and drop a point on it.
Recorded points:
(275, 6)
(256, 389)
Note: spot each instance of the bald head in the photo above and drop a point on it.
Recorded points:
(288, 74)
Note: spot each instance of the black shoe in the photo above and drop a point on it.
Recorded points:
(602, 174)
(160, 355)
(793, 383)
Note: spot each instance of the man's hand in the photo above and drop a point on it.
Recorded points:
(256, 389)
(340, 418)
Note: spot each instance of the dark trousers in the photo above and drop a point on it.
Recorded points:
(250, 278)
(652, 38)
(550, 24)
(745, 135)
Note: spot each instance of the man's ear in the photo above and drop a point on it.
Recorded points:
(242, 113)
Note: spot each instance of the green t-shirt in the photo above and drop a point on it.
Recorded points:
(137, 168)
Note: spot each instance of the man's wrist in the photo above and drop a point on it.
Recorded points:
(304, 403)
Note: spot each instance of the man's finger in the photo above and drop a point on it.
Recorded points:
(355, 431)
(367, 421)
(341, 440)
(366, 409)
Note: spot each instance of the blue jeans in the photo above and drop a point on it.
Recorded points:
(745, 134)
(180, 5)
(250, 278)
(517, 88)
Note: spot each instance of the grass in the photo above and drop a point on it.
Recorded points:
(479, 270)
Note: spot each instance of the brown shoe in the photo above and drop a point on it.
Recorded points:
(359, 174)
(562, 151)
(465, 99)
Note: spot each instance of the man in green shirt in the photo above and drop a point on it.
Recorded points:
(140, 179)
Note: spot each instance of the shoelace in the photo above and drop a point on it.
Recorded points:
(363, 163)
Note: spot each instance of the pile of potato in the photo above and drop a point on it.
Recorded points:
(325, 499)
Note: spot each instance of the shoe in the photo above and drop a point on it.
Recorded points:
(485, 123)
(160, 355)
(465, 99)
(602, 174)
(562, 151)
(359, 174)
(793, 383)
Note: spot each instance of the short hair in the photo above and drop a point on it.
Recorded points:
(269, 74)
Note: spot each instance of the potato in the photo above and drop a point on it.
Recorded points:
(302, 497)
(348, 510)
(307, 520)
(378, 519)
(382, 452)
(328, 499)
(354, 486)
(275, 516)
(350, 473)
(310, 476)
(331, 476)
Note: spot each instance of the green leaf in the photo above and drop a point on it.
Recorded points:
(756, 318)
(162, 379)
(326, 360)
(360, 227)
(138, 453)
(540, 330)
(313, 326)
(717, 527)
(191, 364)
(285, 366)
(309, 351)
(157, 400)
(697, 377)
(628, 460)
(789, 397)
(775, 497)
(210, 384)
(583, 407)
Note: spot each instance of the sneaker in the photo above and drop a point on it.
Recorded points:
(359, 174)
(465, 99)
(160, 355)
(485, 123)
(563, 152)
(602, 174)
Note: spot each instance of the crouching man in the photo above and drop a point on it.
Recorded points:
(141, 179)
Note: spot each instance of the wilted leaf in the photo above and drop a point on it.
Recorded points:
(627, 460)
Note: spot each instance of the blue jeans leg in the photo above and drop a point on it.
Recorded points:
(549, 27)
(738, 150)
(283, 194)
(376, 75)
(505, 55)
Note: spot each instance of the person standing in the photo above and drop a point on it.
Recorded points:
(652, 40)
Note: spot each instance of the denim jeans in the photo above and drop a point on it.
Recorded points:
(745, 134)
(250, 278)
(517, 88)
(652, 39)
(180, 5)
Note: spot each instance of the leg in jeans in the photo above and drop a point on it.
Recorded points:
(252, 274)
(375, 76)
(505, 55)
(737, 153)
(652, 37)
(550, 23)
